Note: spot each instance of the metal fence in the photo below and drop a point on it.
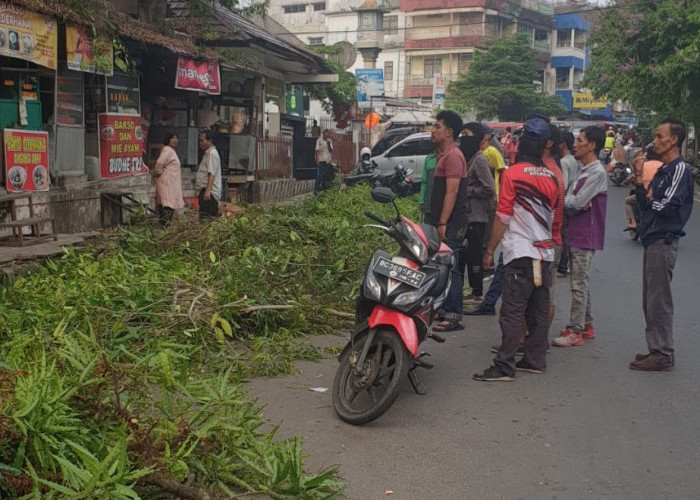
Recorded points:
(274, 158)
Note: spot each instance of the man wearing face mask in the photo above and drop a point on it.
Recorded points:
(480, 205)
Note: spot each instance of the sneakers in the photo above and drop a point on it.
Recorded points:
(482, 310)
(651, 363)
(588, 332)
(473, 299)
(568, 338)
(524, 366)
(640, 361)
(493, 374)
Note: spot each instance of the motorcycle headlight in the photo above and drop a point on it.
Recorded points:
(419, 250)
(373, 289)
(413, 296)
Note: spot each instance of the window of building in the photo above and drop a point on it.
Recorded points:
(579, 39)
(389, 70)
(316, 40)
(463, 62)
(525, 29)
(562, 78)
(541, 35)
(432, 65)
(319, 6)
(563, 38)
(391, 25)
(294, 9)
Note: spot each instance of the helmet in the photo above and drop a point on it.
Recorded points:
(365, 153)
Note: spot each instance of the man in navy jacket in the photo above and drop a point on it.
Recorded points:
(666, 207)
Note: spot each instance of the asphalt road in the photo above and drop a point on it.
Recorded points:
(589, 428)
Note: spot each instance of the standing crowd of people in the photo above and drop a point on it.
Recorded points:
(546, 212)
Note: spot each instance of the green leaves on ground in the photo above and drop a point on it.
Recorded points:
(120, 369)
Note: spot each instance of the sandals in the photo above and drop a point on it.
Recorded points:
(448, 326)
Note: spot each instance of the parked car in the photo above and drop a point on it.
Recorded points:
(410, 152)
(391, 137)
(578, 125)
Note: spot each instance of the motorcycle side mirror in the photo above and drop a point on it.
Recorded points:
(382, 195)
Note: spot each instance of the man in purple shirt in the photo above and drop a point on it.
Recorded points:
(585, 204)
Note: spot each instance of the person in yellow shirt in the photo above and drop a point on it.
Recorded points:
(494, 156)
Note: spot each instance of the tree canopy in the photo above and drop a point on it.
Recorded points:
(647, 52)
(500, 83)
(336, 98)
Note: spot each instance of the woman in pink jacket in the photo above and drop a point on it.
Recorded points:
(166, 174)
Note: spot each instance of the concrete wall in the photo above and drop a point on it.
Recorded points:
(77, 204)
(279, 189)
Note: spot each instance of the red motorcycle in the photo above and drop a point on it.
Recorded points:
(398, 300)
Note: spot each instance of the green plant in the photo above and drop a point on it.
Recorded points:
(122, 366)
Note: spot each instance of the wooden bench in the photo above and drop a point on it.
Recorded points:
(17, 225)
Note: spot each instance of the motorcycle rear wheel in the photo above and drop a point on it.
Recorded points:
(359, 399)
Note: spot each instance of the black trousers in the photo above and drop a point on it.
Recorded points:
(521, 298)
(474, 254)
(208, 209)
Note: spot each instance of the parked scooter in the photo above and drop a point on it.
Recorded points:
(619, 173)
(400, 180)
(398, 299)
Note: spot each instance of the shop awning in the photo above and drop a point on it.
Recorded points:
(261, 39)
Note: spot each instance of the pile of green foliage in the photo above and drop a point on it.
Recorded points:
(120, 369)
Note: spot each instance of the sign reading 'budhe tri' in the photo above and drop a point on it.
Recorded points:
(121, 145)
(200, 76)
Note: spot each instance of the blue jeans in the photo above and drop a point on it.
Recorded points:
(495, 288)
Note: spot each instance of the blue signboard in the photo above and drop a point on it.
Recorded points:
(370, 82)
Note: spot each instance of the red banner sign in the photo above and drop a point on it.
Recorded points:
(121, 145)
(26, 160)
(201, 76)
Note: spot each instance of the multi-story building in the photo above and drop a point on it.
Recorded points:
(570, 58)
(423, 38)
(442, 36)
(332, 21)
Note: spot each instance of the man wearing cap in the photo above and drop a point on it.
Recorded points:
(585, 204)
(524, 224)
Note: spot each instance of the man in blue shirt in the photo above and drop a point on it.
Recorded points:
(666, 206)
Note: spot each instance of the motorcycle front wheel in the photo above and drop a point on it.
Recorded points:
(366, 393)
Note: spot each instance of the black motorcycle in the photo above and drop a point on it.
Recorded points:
(399, 180)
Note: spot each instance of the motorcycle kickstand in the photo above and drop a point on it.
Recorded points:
(418, 386)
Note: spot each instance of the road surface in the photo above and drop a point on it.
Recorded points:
(589, 428)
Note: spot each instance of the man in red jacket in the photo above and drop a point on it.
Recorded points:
(524, 225)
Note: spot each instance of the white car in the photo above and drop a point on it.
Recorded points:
(410, 152)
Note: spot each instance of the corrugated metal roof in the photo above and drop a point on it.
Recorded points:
(125, 25)
(263, 32)
(131, 28)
